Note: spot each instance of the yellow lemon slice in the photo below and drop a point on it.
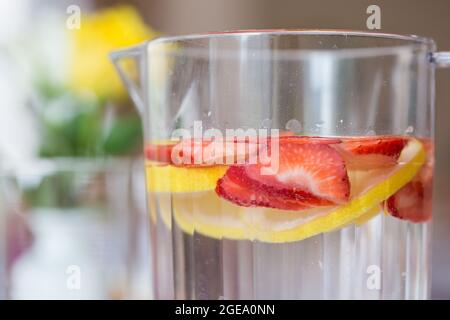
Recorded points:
(207, 214)
(362, 219)
(173, 179)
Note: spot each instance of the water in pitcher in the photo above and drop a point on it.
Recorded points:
(340, 218)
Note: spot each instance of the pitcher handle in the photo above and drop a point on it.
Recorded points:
(441, 59)
(133, 88)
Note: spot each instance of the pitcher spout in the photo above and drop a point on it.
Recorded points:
(130, 78)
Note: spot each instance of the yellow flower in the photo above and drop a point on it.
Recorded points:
(91, 71)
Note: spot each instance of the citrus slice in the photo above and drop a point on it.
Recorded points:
(207, 214)
(362, 219)
(167, 178)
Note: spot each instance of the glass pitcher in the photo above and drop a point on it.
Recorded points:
(287, 164)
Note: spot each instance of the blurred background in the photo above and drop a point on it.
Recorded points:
(56, 106)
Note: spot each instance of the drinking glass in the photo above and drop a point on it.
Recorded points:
(349, 118)
(72, 230)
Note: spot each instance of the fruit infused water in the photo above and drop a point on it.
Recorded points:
(336, 218)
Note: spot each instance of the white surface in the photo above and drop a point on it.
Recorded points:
(61, 240)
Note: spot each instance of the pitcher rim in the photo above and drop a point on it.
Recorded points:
(410, 39)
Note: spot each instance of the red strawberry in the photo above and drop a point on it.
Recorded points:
(309, 139)
(365, 153)
(207, 152)
(190, 152)
(317, 169)
(308, 175)
(385, 145)
(413, 202)
(159, 152)
(237, 188)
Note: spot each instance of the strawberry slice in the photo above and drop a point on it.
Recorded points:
(310, 139)
(413, 202)
(208, 152)
(235, 187)
(189, 152)
(308, 175)
(159, 152)
(317, 169)
(365, 153)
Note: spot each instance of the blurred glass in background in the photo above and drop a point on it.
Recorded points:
(3, 276)
(72, 215)
(75, 230)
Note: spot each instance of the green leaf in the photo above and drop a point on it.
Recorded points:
(125, 136)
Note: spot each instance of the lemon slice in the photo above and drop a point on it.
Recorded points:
(207, 214)
(167, 178)
(362, 219)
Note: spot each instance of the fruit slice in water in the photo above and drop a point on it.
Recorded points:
(213, 217)
(237, 188)
(209, 152)
(194, 176)
(366, 153)
(371, 213)
(307, 174)
(167, 178)
(159, 151)
(201, 153)
(410, 203)
(413, 202)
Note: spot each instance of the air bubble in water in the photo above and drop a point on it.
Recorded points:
(371, 133)
(294, 126)
(409, 130)
(266, 124)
